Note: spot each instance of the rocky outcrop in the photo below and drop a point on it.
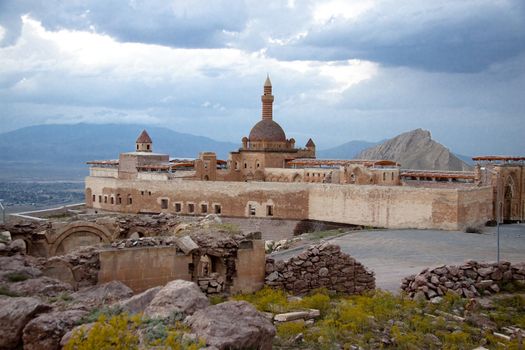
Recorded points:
(233, 325)
(46, 331)
(176, 297)
(319, 266)
(41, 286)
(415, 150)
(469, 280)
(139, 302)
(15, 313)
(101, 295)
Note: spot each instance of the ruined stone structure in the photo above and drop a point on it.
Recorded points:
(469, 280)
(216, 261)
(268, 177)
(320, 266)
(506, 175)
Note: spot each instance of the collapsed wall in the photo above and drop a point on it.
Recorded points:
(469, 280)
(320, 266)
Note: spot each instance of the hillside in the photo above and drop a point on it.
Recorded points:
(83, 142)
(347, 150)
(416, 150)
(63, 149)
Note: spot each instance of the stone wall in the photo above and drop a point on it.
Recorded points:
(469, 280)
(376, 206)
(320, 266)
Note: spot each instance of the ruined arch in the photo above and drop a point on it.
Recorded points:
(296, 178)
(78, 234)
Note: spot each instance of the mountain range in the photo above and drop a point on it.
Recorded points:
(60, 151)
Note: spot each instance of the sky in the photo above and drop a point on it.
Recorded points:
(341, 70)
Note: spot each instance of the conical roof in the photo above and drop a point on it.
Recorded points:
(310, 143)
(144, 137)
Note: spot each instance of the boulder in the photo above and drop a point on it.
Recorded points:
(139, 302)
(15, 313)
(18, 264)
(233, 325)
(18, 245)
(103, 294)
(41, 286)
(46, 331)
(176, 296)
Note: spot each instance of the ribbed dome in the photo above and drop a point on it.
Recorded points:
(267, 130)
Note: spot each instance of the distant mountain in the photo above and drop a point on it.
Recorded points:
(416, 150)
(466, 159)
(347, 150)
(69, 146)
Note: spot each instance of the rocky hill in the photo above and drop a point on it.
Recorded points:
(416, 150)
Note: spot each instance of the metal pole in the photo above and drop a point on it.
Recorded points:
(497, 234)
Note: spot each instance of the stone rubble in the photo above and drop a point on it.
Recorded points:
(472, 279)
(320, 266)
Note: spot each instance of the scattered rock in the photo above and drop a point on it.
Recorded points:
(176, 296)
(104, 294)
(46, 331)
(233, 325)
(41, 286)
(15, 313)
(139, 302)
(472, 279)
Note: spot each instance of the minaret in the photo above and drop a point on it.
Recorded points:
(267, 100)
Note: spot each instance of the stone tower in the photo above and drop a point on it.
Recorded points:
(144, 143)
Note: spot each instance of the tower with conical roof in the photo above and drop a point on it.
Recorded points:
(144, 143)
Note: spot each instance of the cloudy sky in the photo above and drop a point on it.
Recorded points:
(341, 70)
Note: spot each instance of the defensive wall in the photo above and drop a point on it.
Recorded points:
(367, 205)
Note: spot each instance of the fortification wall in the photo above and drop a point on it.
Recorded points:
(399, 207)
(143, 268)
(367, 205)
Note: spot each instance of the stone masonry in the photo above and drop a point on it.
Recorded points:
(320, 266)
(469, 280)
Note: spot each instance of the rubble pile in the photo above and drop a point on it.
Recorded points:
(84, 263)
(469, 280)
(322, 265)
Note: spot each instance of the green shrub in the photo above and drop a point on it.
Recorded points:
(17, 276)
(267, 300)
(318, 300)
(5, 291)
(216, 299)
(115, 333)
(289, 330)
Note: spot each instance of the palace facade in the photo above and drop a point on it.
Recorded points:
(270, 177)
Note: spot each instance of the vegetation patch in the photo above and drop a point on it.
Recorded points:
(17, 276)
(381, 320)
(122, 332)
(7, 292)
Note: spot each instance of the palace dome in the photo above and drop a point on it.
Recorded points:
(267, 130)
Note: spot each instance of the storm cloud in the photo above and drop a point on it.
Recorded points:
(342, 70)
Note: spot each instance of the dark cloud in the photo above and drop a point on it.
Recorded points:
(448, 36)
(197, 23)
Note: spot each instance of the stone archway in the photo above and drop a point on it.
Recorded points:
(78, 234)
